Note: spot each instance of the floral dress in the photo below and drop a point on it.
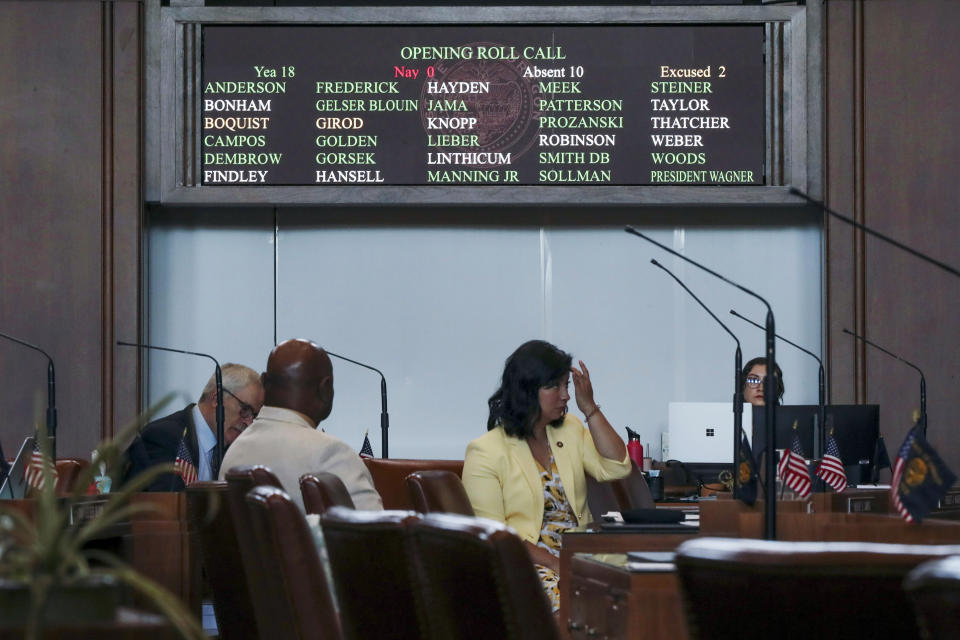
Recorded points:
(557, 518)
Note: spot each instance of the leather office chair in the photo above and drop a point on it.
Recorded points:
(633, 491)
(240, 481)
(624, 494)
(760, 589)
(322, 490)
(68, 471)
(212, 524)
(934, 590)
(375, 574)
(472, 565)
(296, 589)
(437, 491)
(389, 475)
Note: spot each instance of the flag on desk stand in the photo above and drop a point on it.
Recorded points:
(831, 466)
(366, 451)
(793, 468)
(34, 472)
(183, 465)
(920, 479)
(746, 472)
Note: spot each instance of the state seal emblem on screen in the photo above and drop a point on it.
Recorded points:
(485, 109)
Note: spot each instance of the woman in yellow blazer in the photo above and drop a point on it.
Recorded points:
(528, 470)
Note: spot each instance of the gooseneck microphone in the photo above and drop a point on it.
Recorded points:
(384, 416)
(862, 227)
(219, 382)
(923, 380)
(738, 383)
(51, 396)
(822, 399)
(770, 498)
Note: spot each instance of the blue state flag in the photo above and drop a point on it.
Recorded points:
(920, 478)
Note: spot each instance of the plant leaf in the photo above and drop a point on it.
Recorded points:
(111, 452)
(169, 605)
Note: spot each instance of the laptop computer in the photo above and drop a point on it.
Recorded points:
(700, 431)
(15, 485)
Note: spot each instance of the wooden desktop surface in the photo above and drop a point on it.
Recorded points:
(649, 605)
(129, 624)
(156, 542)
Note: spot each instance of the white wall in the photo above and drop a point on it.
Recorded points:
(438, 309)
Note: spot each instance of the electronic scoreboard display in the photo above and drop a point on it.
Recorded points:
(314, 105)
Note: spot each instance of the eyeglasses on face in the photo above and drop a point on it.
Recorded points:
(247, 412)
(755, 381)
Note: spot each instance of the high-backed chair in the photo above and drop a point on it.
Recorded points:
(436, 491)
(627, 493)
(633, 491)
(388, 476)
(212, 524)
(759, 589)
(296, 589)
(934, 590)
(68, 470)
(375, 574)
(471, 565)
(240, 480)
(322, 490)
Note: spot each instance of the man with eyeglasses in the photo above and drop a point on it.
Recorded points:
(188, 438)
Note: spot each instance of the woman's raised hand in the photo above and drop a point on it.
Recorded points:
(583, 388)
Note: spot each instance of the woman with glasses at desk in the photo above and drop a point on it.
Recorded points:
(754, 377)
(527, 471)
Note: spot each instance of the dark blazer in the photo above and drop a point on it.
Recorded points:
(157, 443)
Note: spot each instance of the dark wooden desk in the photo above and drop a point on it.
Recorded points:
(615, 599)
(733, 519)
(608, 542)
(592, 591)
(161, 547)
(128, 625)
(157, 542)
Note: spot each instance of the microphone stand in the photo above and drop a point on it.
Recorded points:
(862, 227)
(51, 396)
(923, 380)
(919, 254)
(822, 400)
(770, 498)
(738, 384)
(384, 416)
(219, 382)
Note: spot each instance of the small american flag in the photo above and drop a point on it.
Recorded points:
(902, 455)
(366, 451)
(183, 465)
(793, 469)
(34, 471)
(831, 467)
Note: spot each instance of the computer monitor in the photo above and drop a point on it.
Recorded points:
(803, 415)
(855, 427)
(15, 484)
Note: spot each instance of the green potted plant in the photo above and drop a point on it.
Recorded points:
(48, 571)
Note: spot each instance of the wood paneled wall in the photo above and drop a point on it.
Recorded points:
(70, 205)
(892, 157)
